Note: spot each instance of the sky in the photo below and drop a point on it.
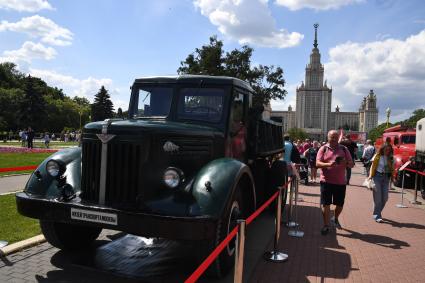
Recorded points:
(81, 45)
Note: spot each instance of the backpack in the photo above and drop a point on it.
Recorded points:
(295, 155)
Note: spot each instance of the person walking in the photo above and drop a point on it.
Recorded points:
(291, 154)
(352, 148)
(332, 158)
(381, 173)
(46, 140)
(311, 155)
(30, 137)
(368, 153)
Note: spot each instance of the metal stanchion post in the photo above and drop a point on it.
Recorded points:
(290, 222)
(296, 233)
(240, 249)
(275, 255)
(401, 205)
(415, 197)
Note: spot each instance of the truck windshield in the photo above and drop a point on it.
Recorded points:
(153, 101)
(201, 104)
(408, 139)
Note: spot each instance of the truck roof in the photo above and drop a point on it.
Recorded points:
(196, 79)
(399, 128)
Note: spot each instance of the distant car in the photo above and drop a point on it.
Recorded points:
(359, 152)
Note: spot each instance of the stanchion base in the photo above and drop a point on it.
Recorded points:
(292, 224)
(275, 256)
(296, 233)
(415, 202)
(400, 205)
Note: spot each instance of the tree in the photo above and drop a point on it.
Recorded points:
(102, 107)
(378, 131)
(119, 113)
(33, 106)
(412, 120)
(297, 134)
(267, 81)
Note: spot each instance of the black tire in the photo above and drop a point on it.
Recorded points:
(226, 260)
(69, 236)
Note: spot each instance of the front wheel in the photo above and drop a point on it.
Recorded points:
(67, 236)
(226, 224)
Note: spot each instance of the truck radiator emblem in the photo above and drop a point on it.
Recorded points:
(170, 147)
(105, 138)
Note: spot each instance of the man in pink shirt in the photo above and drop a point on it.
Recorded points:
(332, 158)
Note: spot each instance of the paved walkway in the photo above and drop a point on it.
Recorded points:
(363, 251)
(13, 183)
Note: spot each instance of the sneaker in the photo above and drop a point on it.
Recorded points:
(379, 220)
(336, 223)
(325, 230)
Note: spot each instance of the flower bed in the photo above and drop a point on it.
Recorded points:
(10, 149)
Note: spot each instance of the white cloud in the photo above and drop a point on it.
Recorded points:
(248, 22)
(394, 68)
(40, 27)
(294, 5)
(75, 87)
(25, 5)
(28, 52)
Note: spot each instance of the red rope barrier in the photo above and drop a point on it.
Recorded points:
(415, 171)
(216, 252)
(20, 168)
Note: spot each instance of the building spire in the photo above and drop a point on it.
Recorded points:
(316, 25)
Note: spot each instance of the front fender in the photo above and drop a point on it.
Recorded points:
(46, 186)
(224, 175)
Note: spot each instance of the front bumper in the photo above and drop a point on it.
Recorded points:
(142, 224)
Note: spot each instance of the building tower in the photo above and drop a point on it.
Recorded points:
(314, 98)
(368, 113)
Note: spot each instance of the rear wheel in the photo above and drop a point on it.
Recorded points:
(69, 236)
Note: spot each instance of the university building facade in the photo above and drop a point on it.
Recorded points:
(313, 111)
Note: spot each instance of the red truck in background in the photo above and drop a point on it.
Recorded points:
(403, 141)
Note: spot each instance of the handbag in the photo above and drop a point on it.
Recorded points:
(369, 183)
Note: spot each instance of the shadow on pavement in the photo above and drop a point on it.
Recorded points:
(403, 225)
(379, 240)
(313, 255)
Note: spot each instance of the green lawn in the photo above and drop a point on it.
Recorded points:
(20, 159)
(13, 226)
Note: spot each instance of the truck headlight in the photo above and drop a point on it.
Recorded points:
(172, 177)
(54, 168)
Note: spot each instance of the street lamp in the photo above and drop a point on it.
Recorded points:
(388, 111)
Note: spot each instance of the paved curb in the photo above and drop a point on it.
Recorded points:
(9, 193)
(18, 246)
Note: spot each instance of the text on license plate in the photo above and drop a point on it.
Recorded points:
(94, 216)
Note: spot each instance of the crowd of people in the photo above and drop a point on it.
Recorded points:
(27, 136)
(335, 158)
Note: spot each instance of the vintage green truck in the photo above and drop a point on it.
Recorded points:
(191, 158)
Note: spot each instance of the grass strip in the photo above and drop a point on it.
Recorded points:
(8, 160)
(13, 226)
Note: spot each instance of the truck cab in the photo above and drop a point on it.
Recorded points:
(189, 160)
(402, 139)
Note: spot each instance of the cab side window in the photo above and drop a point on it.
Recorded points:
(237, 120)
(396, 141)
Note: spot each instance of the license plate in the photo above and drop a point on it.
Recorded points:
(94, 216)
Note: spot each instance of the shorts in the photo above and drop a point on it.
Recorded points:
(332, 194)
(312, 164)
